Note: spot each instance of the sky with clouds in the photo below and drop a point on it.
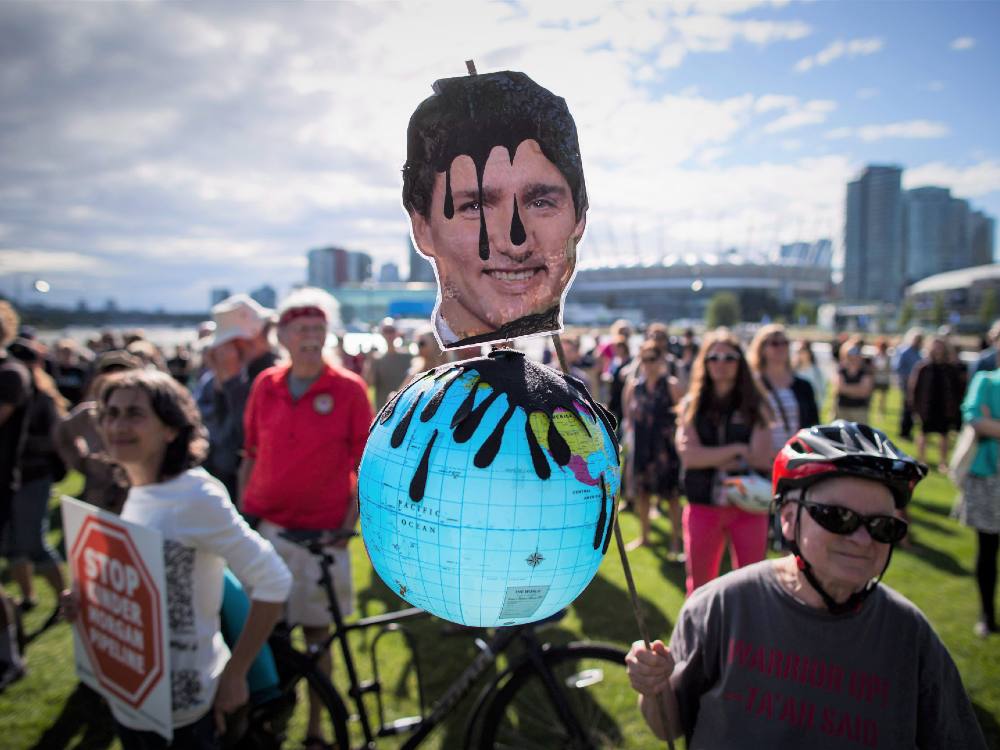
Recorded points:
(152, 151)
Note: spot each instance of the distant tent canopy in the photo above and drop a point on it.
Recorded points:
(411, 308)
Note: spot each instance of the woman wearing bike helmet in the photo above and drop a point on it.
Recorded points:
(810, 650)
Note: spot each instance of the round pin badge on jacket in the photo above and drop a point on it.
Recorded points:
(323, 403)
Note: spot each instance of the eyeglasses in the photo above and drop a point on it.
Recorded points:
(722, 358)
(777, 342)
(843, 521)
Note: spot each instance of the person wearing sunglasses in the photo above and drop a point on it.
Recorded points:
(791, 398)
(811, 650)
(650, 422)
(723, 431)
(853, 382)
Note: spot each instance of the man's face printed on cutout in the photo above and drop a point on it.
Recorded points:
(494, 186)
(531, 228)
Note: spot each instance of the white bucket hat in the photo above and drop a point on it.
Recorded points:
(238, 317)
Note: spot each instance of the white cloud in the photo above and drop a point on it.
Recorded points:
(963, 43)
(869, 92)
(909, 129)
(812, 112)
(681, 209)
(212, 145)
(839, 48)
(973, 181)
(769, 102)
(39, 261)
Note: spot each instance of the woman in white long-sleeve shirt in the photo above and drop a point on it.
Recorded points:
(151, 427)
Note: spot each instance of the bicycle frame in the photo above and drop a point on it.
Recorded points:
(459, 688)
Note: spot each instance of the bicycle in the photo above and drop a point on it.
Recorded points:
(549, 696)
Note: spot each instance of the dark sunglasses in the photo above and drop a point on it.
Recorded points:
(722, 358)
(650, 359)
(843, 521)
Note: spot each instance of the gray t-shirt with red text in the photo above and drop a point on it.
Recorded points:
(758, 668)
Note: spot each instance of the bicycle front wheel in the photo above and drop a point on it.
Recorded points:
(284, 721)
(581, 700)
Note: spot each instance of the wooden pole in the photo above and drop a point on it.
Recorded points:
(629, 580)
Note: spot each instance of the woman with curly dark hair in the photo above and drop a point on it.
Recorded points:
(152, 428)
(723, 431)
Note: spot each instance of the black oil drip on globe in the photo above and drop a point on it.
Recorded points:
(529, 386)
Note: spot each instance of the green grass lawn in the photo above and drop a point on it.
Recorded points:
(43, 711)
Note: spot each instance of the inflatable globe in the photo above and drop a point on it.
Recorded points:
(488, 490)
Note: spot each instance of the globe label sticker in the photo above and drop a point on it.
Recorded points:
(522, 601)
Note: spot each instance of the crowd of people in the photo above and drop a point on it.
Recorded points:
(254, 433)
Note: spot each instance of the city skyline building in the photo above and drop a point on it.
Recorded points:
(217, 294)
(420, 268)
(927, 231)
(388, 273)
(874, 261)
(265, 295)
(894, 237)
(331, 267)
(818, 253)
(981, 237)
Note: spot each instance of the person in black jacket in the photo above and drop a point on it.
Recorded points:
(237, 353)
(15, 398)
(39, 466)
(791, 398)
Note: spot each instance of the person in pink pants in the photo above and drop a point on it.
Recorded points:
(723, 431)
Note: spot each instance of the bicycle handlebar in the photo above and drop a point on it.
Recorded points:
(315, 540)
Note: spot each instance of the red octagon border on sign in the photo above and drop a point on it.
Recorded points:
(96, 525)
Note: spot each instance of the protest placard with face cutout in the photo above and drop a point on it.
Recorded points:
(494, 187)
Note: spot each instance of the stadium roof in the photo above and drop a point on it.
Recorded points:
(962, 278)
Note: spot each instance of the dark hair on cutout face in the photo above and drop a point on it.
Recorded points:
(472, 114)
(175, 407)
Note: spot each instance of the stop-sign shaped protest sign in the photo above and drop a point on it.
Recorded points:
(120, 618)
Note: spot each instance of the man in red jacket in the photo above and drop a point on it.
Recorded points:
(305, 427)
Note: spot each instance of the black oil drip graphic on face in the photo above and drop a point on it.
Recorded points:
(484, 239)
(449, 202)
(517, 233)
(528, 386)
(483, 135)
(472, 115)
